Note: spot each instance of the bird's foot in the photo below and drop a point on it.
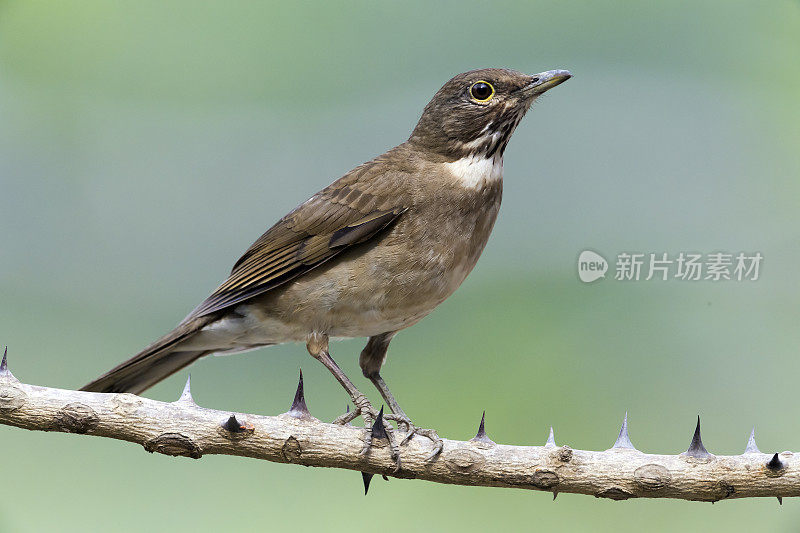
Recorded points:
(404, 423)
(363, 408)
(377, 427)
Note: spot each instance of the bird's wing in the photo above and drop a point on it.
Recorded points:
(333, 220)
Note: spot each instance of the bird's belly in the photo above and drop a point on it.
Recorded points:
(252, 326)
(349, 304)
(349, 299)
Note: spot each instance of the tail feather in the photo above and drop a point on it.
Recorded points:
(156, 362)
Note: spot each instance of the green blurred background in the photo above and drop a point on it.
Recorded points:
(144, 145)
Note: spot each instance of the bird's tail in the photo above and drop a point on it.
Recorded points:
(156, 362)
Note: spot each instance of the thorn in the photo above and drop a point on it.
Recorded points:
(299, 409)
(751, 443)
(775, 463)
(481, 435)
(384, 477)
(551, 440)
(623, 440)
(4, 371)
(186, 395)
(234, 426)
(378, 429)
(366, 478)
(780, 500)
(555, 495)
(696, 448)
(481, 429)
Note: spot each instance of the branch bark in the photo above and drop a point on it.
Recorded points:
(182, 428)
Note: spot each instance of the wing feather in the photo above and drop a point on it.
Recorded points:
(350, 211)
(290, 253)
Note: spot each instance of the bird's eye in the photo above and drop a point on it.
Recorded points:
(481, 91)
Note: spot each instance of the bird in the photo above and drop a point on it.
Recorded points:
(367, 256)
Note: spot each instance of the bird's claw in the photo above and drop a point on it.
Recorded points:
(404, 424)
(346, 418)
(364, 409)
(431, 434)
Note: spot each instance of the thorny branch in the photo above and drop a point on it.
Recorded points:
(182, 428)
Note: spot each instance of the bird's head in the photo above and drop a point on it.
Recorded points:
(475, 113)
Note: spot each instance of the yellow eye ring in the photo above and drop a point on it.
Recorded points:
(481, 91)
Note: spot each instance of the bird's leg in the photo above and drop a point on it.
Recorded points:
(317, 346)
(399, 415)
(371, 360)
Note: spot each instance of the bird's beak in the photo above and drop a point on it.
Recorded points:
(545, 81)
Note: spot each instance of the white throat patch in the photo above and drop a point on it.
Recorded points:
(476, 171)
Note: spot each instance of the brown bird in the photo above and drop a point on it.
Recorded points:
(369, 255)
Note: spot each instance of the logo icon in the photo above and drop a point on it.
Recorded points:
(591, 266)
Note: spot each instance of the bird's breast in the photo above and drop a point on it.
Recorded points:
(446, 233)
(475, 172)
